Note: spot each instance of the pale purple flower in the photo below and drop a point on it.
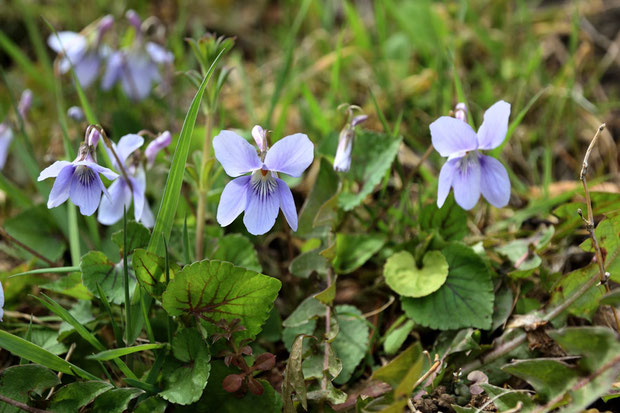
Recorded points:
(25, 102)
(1, 302)
(262, 193)
(136, 67)
(467, 170)
(342, 160)
(78, 180)
(82, 50)
(121, 191)
(6, 137)
(76, 113)
(156, 145)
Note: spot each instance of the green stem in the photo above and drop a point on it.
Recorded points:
(202, 189)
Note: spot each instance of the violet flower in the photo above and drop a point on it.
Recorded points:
(6, 132)
(79, 180)
(261, 194)
(76, 113)
(82, 50)
(342, 160)
(121, 191)
(156, 145)
(136, 66)
(467, 170)
(1, 302)
(6, 137)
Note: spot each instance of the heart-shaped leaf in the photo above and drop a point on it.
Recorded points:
(218, 290)
(404, 277)
(150, 271)
(98, 269)
(465, 299)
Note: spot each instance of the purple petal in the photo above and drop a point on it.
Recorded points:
(159, 54)
(494, 183)
(147, 219)
(342, 160)
(139, 187)
(87, 68)
(290, 155)
(86, 194)
(287, 204)
(62, 185)
(127, 145)
(65, 41)
(111, 209)
(1, 302)
(134, 19)
(494, 126)
(233, 200)
(6, 136)
(112, 71)
(451, 136)
(259, 135)
(25, 102)
(53, 170)
(466, 181)
(235, 154)
(261, 212)
(108, 173)
(153, 148)
(446, 175)
(138, 75)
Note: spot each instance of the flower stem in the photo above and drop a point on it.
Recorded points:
(202, 189)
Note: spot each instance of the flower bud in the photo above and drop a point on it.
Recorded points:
(342, 160)
(460, 111)
(93, 137)
(156, 146)
(105, 24)
(24, 103)
(260, 137)
(134, 19)
(76, 113)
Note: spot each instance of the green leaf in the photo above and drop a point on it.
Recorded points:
(450, 221)
(313, 365)
(18, 382)
(150, 271)
(216, 399)
(586, 305)
(152, 404)
(309, 309)
(546, 375)
(404, 277)
(96, 269)
(607, 233)
(352, 341)
(217, 290)
(328, 295)
(395, 338)
(29, 351)
(353, 250)
(185, 381)
(115, 400)
(48, 340)
(403, 371)
(172, 190)
(35, 228)
(72, 397)
(372, 156)
(70, 285)
(505, 399)
(294, 377)
(612, 298)
(120, 352)
(137, 237)
(237, 249)
(325, 187)
(466, 298)
(308, 262)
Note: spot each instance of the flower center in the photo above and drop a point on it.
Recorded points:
(84, 174)
(263, 183)
(469, 160)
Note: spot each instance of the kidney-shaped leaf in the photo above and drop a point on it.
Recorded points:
(466, 298)
(404, 277)
(150, 271)
(218, 290)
